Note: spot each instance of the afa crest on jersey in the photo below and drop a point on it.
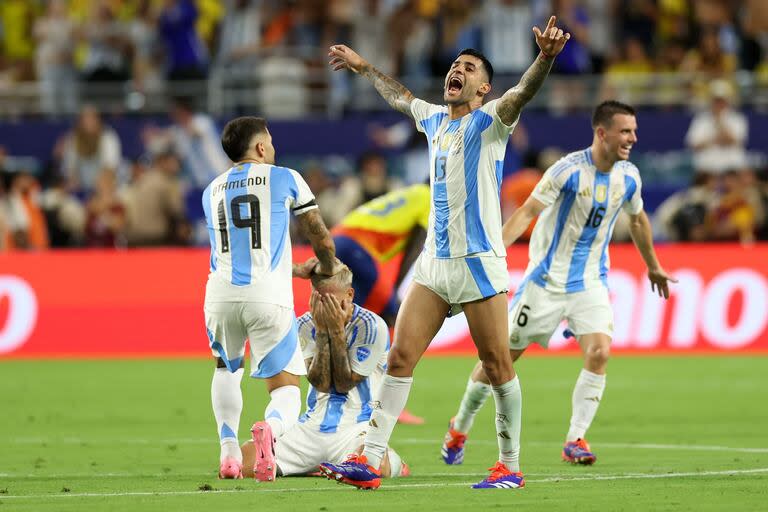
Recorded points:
(363, 353)
(601, 191)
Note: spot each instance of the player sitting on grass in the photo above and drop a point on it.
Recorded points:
(345, 349)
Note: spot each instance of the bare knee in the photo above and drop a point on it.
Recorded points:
(596, 357)
(400, 363)
(497, 366)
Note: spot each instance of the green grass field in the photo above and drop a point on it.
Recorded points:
(672, 434)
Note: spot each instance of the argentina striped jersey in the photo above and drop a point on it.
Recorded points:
(367, 347)
(466, 157)
(568, 251)
(247, 211)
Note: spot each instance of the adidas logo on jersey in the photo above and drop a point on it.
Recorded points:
(587, 192)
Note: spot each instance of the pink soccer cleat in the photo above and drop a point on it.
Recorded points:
(230, 469)
(265, 467)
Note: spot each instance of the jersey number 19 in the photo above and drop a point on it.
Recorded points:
(253, 222)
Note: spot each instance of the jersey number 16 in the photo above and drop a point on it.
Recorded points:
(253, 222)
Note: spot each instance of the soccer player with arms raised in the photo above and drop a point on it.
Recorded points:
(464, 259)
(579, 199)
(249, 294)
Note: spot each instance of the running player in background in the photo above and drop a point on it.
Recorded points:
(249, 293)
(372, 235)
(345, 350)
(464, 258)
(579, 199)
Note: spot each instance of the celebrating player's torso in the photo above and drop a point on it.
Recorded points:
(466, 157)
(247, 210)
(367, 338)
(569, 246)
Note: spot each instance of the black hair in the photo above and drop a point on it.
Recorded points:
(237, 135)
(604, 112)
(486, 63)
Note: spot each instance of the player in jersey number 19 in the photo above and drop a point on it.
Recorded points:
(248, 294)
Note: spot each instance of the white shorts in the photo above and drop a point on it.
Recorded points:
(536, 312)
(302, 448)
(461, 280)
(270, 329)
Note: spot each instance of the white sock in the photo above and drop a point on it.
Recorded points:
(474, 397)
(227, 400)
(392, 396)
(586, 399)
(509, 406)
(395, 463)
(283, 410)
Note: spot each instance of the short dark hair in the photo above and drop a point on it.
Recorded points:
(238, 133)
(486, 63)
(605, 111)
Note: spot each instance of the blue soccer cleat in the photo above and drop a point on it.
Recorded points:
(453, 446)
(501, 478)
(354, 471)
(578, 452)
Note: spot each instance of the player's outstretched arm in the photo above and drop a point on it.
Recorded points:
(319, 368)
(551, 42)
(642, 236)
(393, 92)
(519, 221)
(344, 379)
(313, 228)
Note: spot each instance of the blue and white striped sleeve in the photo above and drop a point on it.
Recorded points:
(633, 199)
(307, 336)
(550, 185)
(427, 116)
(303, 199)
(366, 352)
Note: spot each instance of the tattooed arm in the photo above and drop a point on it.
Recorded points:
(551, 42)
(335, 313)
(319, 367)
(393, 92)
(313, 227)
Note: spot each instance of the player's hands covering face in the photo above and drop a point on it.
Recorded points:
(552, 40)
(335, 311)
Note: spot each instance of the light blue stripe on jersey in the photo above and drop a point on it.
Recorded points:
(432, 123)
(239, 239)
(480, 277)
(281, 186)
(364, 388)
(477, 241)
(279, 357)
(569, 190)
(630, 186)
(232, 364)
(440, 198)
(580, 255)
(333, 413)
(209, 224)
(311, 403)
(588, 156)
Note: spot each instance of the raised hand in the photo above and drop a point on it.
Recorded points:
(552, 41)
(660, 281)
(318, 311)
(335, 312)
(343, 57)
(323, 271)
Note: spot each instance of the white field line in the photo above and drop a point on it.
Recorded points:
(416, 441)
(389, 487)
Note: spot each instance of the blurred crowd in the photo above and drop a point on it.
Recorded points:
(639, 47)
(90, 195)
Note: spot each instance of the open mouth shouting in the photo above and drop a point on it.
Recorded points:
(454, 86)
